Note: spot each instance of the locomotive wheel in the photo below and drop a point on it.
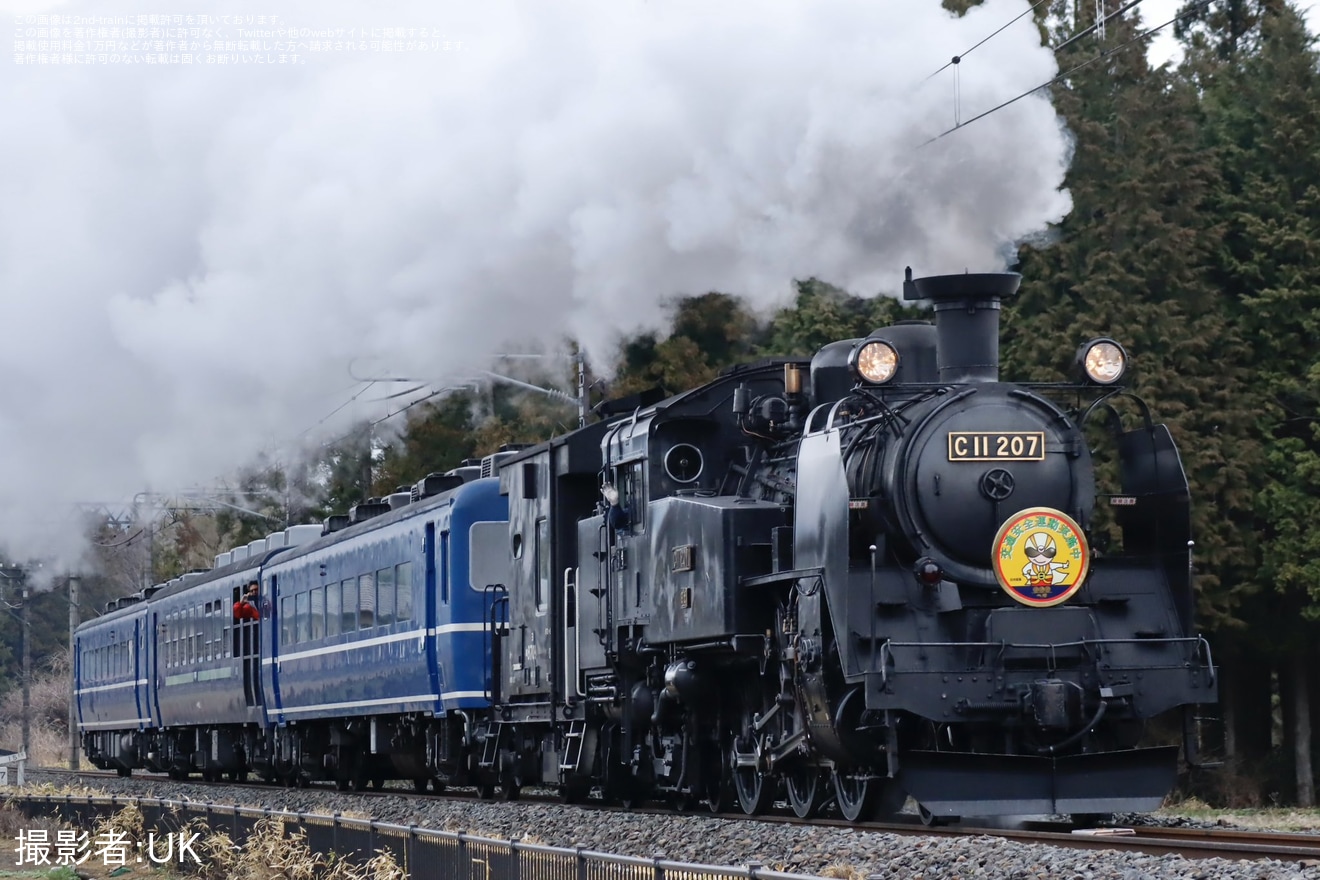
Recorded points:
(124, 772)
(343, 783)
(420, 784)
(574, 791)
(855, 795)
(806, 791)
(755, 790)
(719, 780)
(486, 791)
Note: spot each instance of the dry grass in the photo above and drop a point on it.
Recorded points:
(12, 821)
(48, 744)
(46, 747)
(840, 871)
(271, 852)
(1266, 819)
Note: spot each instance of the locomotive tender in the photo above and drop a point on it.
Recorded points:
(878, 573)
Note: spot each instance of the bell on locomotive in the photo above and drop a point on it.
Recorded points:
(1006, 628)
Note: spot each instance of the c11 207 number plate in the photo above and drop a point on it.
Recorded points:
(996, 445)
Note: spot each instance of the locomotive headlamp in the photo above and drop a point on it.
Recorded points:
(875, 362)
(1103, 361)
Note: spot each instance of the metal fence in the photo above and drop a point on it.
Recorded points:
(423, 853)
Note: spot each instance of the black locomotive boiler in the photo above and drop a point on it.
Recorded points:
(878, 573)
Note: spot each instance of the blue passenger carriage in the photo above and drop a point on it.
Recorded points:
(209, 709)
(369, 658)
(111, 685)
(377, 646)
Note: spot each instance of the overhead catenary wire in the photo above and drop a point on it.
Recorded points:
(389, 415)
(1098, 25)
(328, 416)
(1067, 73)
(957, 59)
(369, 382)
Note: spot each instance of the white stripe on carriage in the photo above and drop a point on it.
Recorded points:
(447, 695)
(355, 704)
(111, 687)
(447, 629)
(465, 695)
(126, 722)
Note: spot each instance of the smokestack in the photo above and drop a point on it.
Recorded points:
(966, 321)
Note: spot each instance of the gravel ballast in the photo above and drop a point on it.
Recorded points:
(833, 851)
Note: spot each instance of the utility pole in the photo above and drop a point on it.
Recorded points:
(580, 361)
(73, 677)
(27, 673)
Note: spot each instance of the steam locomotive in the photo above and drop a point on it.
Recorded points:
(877, 573)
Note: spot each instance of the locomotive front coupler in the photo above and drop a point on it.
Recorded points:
(1076, 737)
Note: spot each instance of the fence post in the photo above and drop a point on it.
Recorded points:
(752, 868)
(515, 866)
(581, 862)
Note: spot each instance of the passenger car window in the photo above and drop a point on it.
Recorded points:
(318, 613)
(332, 609)
(303, 604)
(286, 620)
(350, 612)
(367, 600)
(403, 587)
(385, 597)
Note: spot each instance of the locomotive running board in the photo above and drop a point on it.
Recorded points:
(966, 784)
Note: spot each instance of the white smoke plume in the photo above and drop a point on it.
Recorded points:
(192, 254)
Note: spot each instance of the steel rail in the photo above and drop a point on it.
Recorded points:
(1191, 843)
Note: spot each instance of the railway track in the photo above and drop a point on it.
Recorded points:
(1190, 843)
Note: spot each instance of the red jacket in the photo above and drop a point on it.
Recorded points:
(245, 610)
